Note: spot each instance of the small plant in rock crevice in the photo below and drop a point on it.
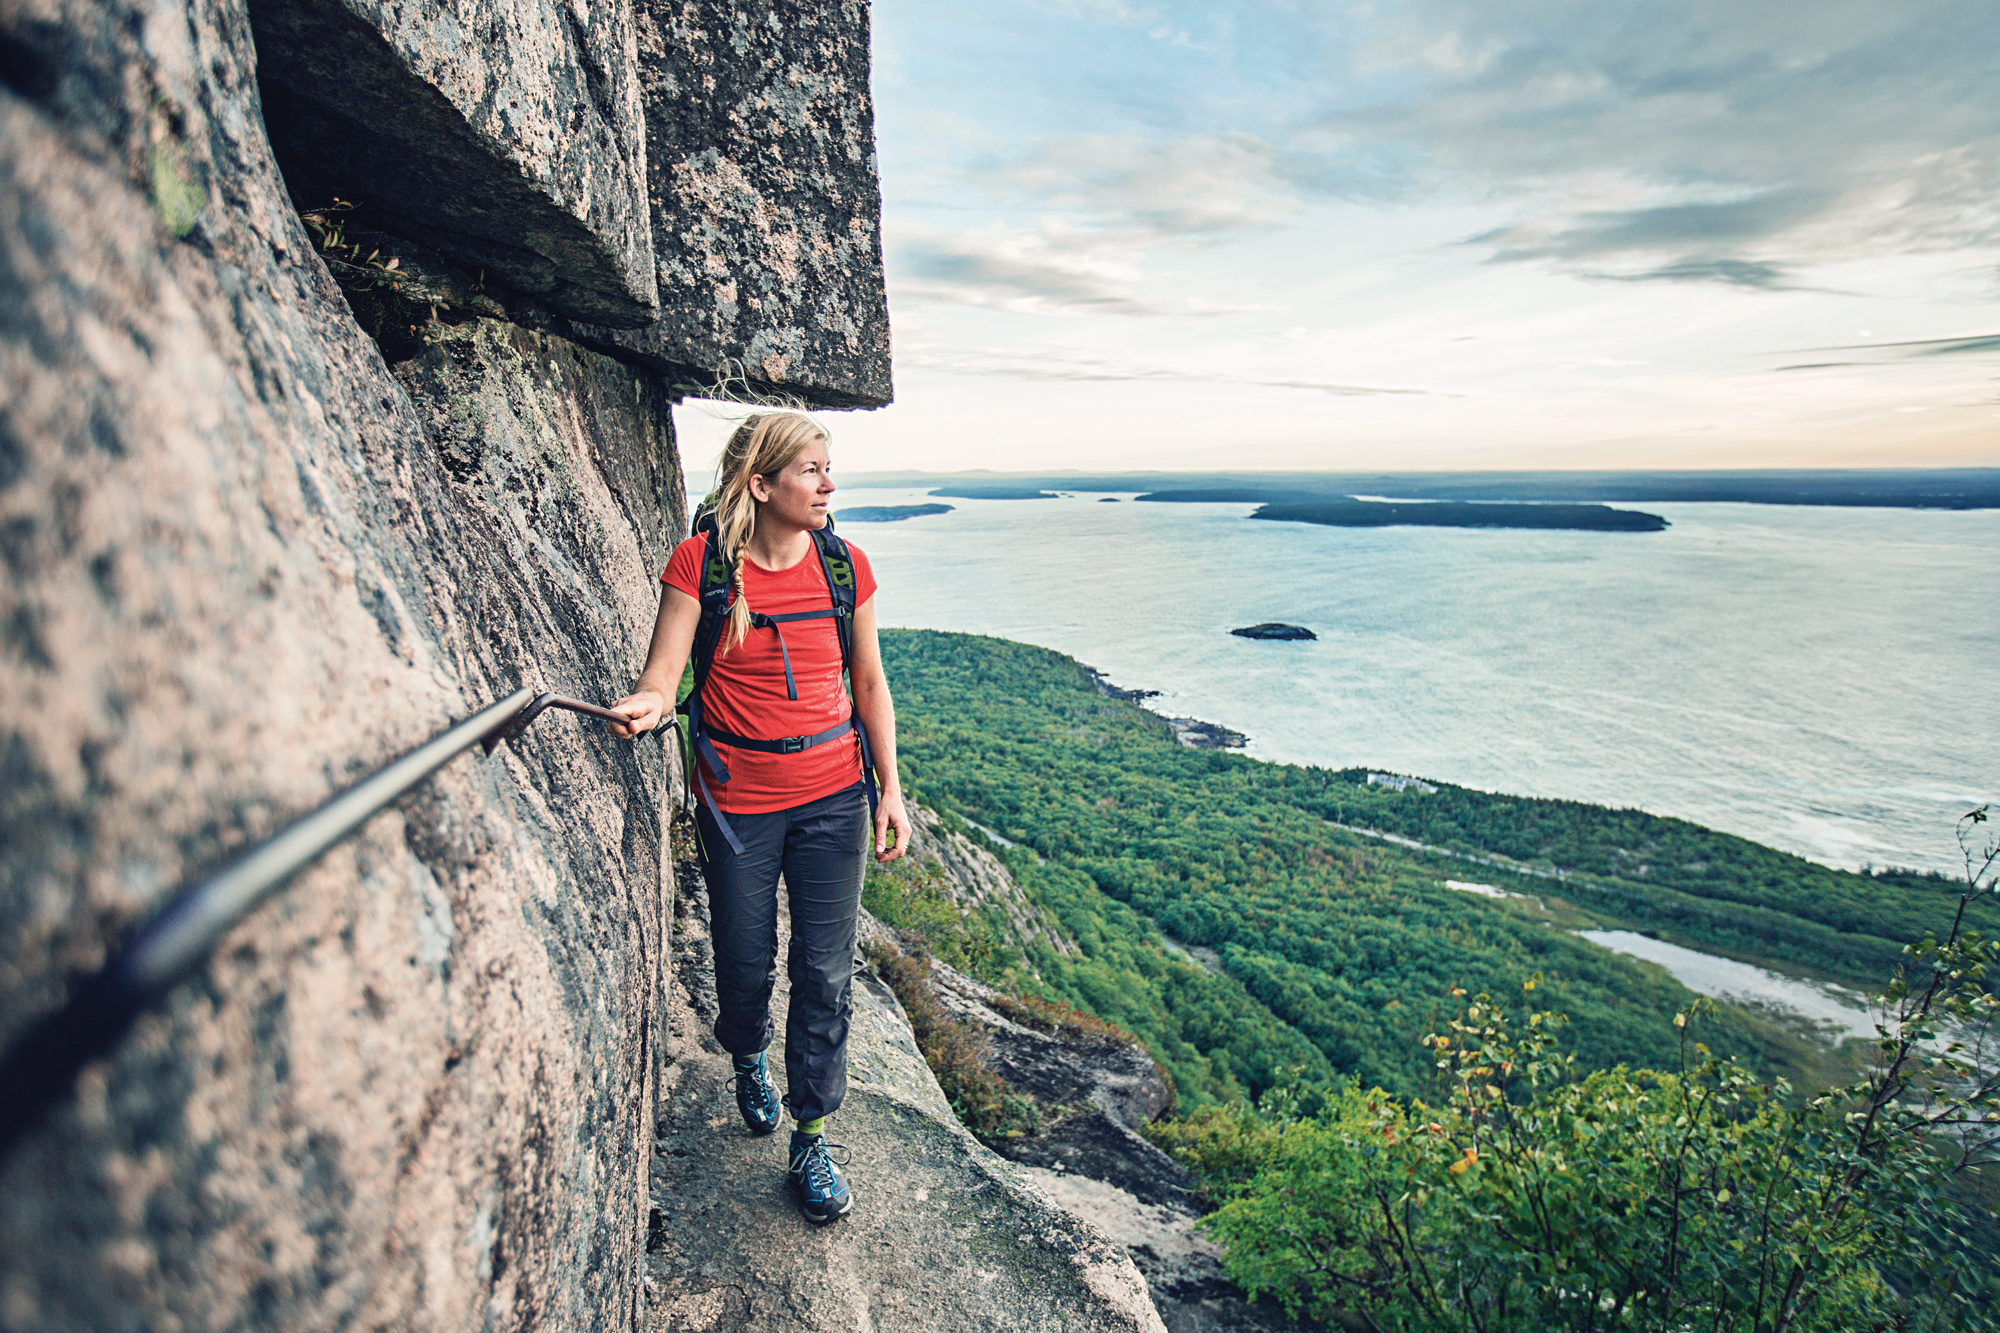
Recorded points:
(400, 300)
(344, 258)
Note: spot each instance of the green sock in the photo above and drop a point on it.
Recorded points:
(812, 1126)
(747, 1062)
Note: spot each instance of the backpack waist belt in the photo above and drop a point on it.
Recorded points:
(778, 744)
(705, 736)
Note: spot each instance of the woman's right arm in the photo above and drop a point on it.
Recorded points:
(673, 636)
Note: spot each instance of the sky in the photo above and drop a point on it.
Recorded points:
(1434, 235)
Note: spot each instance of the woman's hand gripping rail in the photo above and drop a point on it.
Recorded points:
(652, 697)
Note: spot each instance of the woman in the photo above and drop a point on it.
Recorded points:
(780, 770)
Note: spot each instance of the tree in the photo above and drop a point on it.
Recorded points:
(1533, 1196)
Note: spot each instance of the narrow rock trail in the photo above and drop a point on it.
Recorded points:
(944, 1235)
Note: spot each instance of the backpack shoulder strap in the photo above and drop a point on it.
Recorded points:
(838, 566)
(718, 577)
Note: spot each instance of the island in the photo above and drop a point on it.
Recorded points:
(1347, 512)
(1272, 629)
(888, 513)
(994, 493)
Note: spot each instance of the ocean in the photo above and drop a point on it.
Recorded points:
(1822, 680)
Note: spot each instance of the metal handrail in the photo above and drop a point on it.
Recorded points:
(40, 1065)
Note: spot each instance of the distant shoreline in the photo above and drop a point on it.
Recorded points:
(994, 493)
(1189, 731)
(1865, 488)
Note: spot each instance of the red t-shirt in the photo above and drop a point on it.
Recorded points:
(745, 693)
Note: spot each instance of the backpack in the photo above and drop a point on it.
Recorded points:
(718, 579)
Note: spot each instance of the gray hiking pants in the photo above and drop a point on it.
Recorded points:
(819, 848)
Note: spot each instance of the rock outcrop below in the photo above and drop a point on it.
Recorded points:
(1094, 1089)
(977, 881)
(254, 546)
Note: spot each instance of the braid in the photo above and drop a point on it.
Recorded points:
(739, 612)
(761, 447)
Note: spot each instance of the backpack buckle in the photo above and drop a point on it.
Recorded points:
(791, 744)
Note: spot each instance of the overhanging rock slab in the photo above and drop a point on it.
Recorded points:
(507, 133)
(766, 210)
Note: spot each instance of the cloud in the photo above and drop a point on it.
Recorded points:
(1105, 200)
(1661, 227)
(1056, 268)
(1054, 365)
(1751, 273)
(1700, 234)
(1978, 345)
(1196, 189)
(1691, 139)
(1118, 14)
(1886, 353)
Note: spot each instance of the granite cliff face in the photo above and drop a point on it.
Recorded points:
(273, 509)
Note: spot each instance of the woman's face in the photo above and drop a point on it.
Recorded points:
(797, 494)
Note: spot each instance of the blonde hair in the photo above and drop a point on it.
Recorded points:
(763, 446)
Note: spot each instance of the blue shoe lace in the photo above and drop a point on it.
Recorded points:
(822, 1190)
(756, 1098)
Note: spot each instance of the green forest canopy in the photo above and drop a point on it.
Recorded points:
(1336, 950)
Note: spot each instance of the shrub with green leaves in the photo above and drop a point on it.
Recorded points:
(1530, 1195)
(912, 897)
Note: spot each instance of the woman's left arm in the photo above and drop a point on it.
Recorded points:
(877, 712)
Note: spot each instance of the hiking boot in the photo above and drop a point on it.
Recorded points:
(816, 1179)
(756, 1098)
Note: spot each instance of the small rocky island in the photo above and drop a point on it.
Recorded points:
(1347, 512)
(888, 513)
(1271, 629)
